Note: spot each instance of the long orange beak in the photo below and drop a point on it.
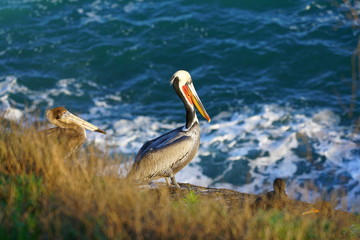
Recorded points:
(192, 96)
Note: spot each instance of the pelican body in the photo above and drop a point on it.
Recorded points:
(167, 154)
(70, 131)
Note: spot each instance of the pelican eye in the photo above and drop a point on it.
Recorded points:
(58, 116)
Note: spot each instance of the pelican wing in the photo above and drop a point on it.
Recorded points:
(64, 139)
(162, 154)
(157, 143)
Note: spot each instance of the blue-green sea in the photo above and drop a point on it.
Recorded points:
(279, 78)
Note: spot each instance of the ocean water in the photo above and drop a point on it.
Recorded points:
(278, 78)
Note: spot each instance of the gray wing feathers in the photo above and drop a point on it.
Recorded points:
(160, 159)
(157, 143)
(143, 150)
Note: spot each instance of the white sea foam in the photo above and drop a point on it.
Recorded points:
(13, 114)
(327, 139)
(9, 85)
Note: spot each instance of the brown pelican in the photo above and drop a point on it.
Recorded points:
(274, 198)
(70, 131)
(164, 156)
(279, 190)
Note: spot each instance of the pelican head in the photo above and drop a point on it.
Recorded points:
(279, 185)
(62, 118)
(183, 85)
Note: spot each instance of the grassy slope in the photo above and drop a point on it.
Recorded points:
(43, 196)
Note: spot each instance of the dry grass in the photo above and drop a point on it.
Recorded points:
(43, 196)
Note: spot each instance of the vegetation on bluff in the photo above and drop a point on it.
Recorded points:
(44, 196)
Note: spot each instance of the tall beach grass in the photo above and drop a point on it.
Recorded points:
(43, 196)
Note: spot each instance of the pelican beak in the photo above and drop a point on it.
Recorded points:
(191, 93)
(69, 117)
